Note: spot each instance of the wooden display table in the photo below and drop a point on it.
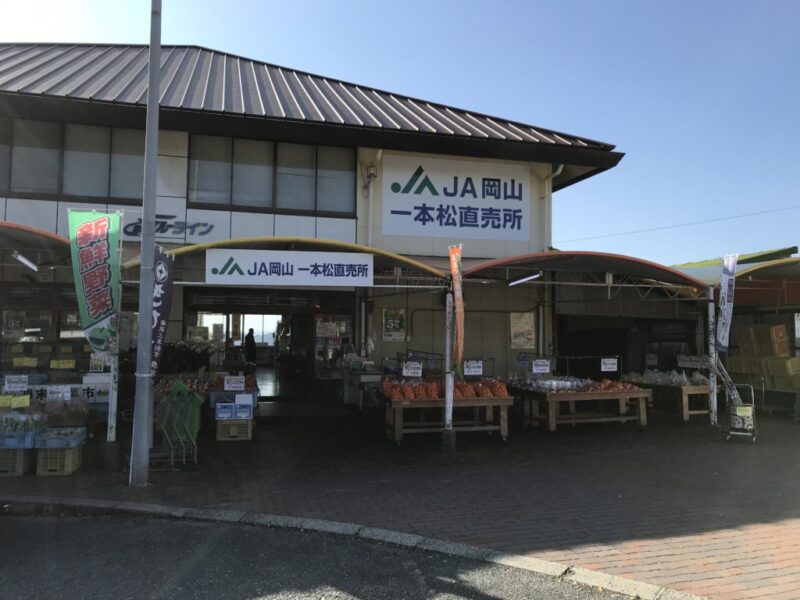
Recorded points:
(397, 425)
(684, 392)
(631, 406)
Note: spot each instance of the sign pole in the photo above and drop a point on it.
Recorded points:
(143, 407)
(449, 434)
(712, 358)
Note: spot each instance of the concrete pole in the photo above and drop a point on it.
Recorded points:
(143, 407)
(449, 434)
(712, 357)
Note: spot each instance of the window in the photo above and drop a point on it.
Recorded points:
(127, 163)
(295, 186)
(5, 152)
(86, 160)
(253, 164)
(210, 170)
(36, 156)
(336, 179)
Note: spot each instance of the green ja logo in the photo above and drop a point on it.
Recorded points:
(229, 268)
(425, 184)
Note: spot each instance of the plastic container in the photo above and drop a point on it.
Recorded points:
(61, 437)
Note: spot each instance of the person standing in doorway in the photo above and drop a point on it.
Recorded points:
(250, 347)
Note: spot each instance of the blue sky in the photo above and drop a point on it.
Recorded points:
(701, 96)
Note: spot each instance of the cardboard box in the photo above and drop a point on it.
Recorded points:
(745, 339)
(782, 366)
(785, 382)
(772, 340)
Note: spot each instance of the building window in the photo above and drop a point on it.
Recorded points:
(210, 170)
(127, 163)
(336, 179)
(5, 153)
(86, 160)
(296, 171)
(253, 164)
(36, 156)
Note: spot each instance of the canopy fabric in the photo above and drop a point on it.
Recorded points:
(302, 243)
(590, 262)
(26, 239)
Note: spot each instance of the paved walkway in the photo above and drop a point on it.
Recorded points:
(672, 505)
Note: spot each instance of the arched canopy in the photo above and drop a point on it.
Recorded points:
(585, 262)
(384, 259)
(36, 244)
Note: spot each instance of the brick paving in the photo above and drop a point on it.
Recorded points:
(673, 505)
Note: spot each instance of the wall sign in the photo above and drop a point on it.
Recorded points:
(522, 332)
(394, 324)
(288, 267)
(458, 199)
(652, 360)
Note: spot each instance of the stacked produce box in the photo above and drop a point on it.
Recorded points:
(764, 354)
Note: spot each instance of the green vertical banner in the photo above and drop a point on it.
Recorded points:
(94, 245)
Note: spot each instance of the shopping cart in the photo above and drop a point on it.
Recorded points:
(742, 414)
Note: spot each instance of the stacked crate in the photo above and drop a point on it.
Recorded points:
(764, 355)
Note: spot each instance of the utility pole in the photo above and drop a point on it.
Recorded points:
(143, 407)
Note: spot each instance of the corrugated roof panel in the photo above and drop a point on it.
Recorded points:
(273, 107)
(196, 78)
(285, 94)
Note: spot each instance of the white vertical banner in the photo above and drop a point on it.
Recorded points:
(726, 288)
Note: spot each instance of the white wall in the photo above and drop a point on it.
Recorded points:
(428, 246)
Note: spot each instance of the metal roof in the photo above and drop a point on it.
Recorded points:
(590, 262)
(743, 259)
(199, 79)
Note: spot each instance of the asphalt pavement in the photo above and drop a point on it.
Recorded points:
(134, 557)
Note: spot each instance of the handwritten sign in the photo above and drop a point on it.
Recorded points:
(540, 366)
(25, 361)
(234, 383)
(15, 384)
(473, 367)
(609, 365)
(412, 368)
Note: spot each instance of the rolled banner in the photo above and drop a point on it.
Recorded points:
(458, 302)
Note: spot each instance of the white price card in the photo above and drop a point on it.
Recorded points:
(244, 399)
(63, 392)
(609, 365)
(652, 360)
(15, 384)
(473, 367)
(540, 365)
(234, 383)
(412, 368)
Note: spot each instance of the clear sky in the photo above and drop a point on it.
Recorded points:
(702, 96)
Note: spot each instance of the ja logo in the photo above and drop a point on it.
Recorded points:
(229, 268)
(424, 184)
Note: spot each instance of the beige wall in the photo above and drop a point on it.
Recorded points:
(487, 334)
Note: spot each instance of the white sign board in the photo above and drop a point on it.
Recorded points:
(692, 362)
(234, 383)
(244, 399)
(288, 267)
(15, 384)
(62, 392)
(427, 196)
(652, 360)
(473, 367)
(412, 368)
(609, 365)
(540, 365)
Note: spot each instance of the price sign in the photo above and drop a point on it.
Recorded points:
(97, 363)
(5, 401)
(473, 367)
(15, 384)
(25, 361)
(652, 360)
(412, 368)
(540, 365)
(65, 349)
(692, 362)
(16, 349)
(63, 392)
(609, 365)
(234, 383)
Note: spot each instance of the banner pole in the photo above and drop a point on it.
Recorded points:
(113, 392)
(143, 407)
(712, 358)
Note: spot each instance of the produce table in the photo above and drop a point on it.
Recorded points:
(684, 392)
(631, 406)
(397, 425)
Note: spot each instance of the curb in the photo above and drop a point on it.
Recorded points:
(574, 574)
